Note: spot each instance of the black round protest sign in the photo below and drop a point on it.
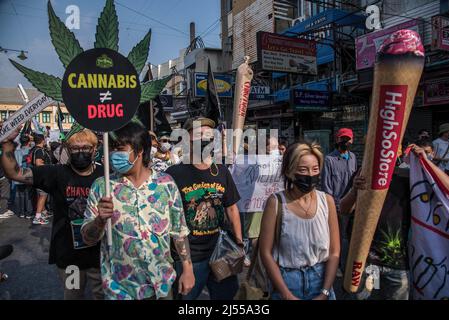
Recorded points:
(101, 89)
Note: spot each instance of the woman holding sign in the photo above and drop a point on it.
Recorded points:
(69, 187)
(299, 238)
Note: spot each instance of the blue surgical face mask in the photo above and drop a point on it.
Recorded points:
(120, 161)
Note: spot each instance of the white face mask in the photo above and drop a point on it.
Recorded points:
(275, 152)
(165, 146)
(153, 151)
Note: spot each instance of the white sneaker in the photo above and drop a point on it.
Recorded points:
(7, 214)
(41, 220)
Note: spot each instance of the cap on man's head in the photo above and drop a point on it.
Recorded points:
(164, 135)
(204, 122)
(38, 134)
(152, 134)
(345, 132)
(443, 128)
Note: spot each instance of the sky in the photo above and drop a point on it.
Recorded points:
(24, 26)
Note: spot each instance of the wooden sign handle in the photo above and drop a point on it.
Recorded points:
(107, 182)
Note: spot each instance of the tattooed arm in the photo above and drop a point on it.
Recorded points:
(11, 167)
(187, 278)
(179, 233)
(183, 249)
(94, 230)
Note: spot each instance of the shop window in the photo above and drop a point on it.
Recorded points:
(4, 115)
(46, 115)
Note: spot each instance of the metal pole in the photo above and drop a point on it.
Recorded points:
(151, 116)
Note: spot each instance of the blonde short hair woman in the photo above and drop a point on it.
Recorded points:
(299, 238)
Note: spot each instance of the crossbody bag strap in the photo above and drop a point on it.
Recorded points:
(276, 237)
(277, 234)
(444, 156)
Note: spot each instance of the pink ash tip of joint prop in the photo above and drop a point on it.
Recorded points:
(401, 42)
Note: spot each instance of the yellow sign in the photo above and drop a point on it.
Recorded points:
(221, 85)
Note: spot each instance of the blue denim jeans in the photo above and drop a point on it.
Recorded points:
(305, 283)
(393, 285)
(223, 290)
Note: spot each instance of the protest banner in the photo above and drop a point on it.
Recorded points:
(256, 178)
(429, 241)
(27, 112)
(100, 88)
(397, 72)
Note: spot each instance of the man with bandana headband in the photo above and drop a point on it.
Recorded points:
(69, 187)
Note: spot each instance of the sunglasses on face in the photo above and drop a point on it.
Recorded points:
(164, 140)
(81, 149)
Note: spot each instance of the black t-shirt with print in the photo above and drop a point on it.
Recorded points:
(69, 192)
(389, 245)
(41, 154)
(205, 198)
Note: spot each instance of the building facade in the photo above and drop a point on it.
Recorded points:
(11, 101)
(313, 106)
(428, 18)
(301, 105)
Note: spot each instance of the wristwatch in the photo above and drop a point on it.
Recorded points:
(325, 292)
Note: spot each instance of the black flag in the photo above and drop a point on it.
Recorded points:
(143, 113)
(161, 125)
(26, 128)
(213, 110)
(60, 118)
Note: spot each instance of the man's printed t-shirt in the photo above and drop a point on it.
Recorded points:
(205, 198)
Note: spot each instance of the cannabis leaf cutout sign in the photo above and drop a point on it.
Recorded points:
(67, 47)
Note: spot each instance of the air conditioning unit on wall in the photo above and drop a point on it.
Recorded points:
(298, 20)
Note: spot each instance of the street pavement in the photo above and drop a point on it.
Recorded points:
(30, 277)
(29, 274)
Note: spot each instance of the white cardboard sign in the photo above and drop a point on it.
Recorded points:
(24, 114)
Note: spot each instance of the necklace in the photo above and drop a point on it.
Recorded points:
(308, 208)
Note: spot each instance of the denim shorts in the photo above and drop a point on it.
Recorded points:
(305, 283)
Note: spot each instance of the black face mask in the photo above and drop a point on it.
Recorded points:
(81, 160)
(204, 144)
(306, 183)
(343, 145)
